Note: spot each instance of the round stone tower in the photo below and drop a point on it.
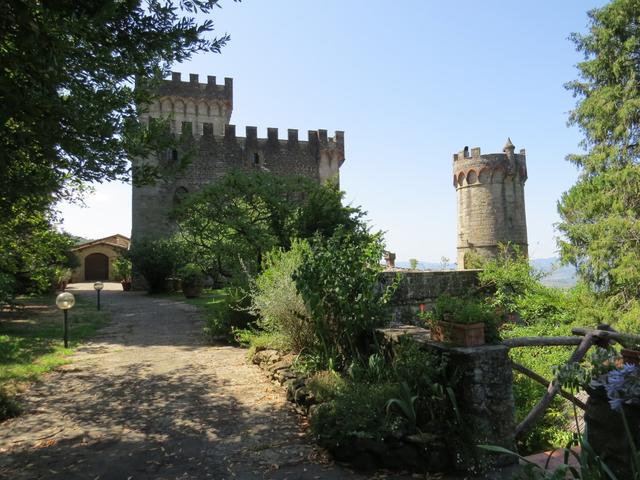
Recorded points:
(490, 195)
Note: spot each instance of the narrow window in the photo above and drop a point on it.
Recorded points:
(256, 158)
(174, 155)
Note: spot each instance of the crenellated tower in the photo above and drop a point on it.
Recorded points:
(490, 197)
(199, 116)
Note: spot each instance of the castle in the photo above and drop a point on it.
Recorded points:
(489, 188)
(199, 116)
(490, 196)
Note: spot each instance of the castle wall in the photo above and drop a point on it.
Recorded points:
(490, 200)
(199, 117)
(423, 288)
(211, 157)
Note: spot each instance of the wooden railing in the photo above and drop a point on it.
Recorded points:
(601, 336)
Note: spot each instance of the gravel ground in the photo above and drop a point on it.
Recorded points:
(148, 399)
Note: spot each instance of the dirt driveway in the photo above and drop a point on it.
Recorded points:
(147, 399)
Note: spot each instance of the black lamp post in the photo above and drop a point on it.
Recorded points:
(64, 302)
(98, 286)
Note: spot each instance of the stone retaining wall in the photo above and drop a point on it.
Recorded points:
(424, 287)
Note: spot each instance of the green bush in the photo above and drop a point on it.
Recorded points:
(122, 269)
(356, 411)
(339, 282)
(508, 278)
(275, 298)
(156, 260)
(384, 397)
(229, 312)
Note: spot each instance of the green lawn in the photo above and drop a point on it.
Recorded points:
(31, 340)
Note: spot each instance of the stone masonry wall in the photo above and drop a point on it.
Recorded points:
(424, 287)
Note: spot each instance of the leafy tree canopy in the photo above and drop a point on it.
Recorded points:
(67, 102)
(232, 223)
(600, 215)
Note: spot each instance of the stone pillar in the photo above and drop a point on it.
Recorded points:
(606, 434)
(482, 381)
(484, 395)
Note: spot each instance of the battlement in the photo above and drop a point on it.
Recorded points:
(314, 137)
(477, 155)
(471, 167)
(192, 88)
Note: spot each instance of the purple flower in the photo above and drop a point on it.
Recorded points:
(623, 386)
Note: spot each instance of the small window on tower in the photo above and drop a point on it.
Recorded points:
(174, 155)
(256, 158)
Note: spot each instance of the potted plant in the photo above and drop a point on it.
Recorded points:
(192, 280)
(459, 321)
(123, 271)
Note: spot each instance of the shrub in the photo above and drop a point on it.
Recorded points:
(357, 411)
(339, 282)
(275, 298)
(228, 313)
(382, 399)
(156, 260)
(508, 278)
(122, 268)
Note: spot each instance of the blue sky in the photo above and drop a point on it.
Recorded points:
(410, 83)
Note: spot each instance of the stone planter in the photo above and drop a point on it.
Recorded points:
(630, 356)
(191, 291)
(606, 434)
(458, 334)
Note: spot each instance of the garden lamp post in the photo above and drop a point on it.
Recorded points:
(98, 286)
(64, 302)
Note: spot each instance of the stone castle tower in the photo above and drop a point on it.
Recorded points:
(199, 116)
(490, 197)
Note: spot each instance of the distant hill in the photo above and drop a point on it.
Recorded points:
(556, 275)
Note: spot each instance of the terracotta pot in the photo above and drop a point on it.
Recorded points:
(630, 356)
(191, 291)
(459, 334)
(126, 286)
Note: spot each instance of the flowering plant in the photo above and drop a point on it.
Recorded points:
(622, 386)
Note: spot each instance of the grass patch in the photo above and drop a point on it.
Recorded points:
(31, 342)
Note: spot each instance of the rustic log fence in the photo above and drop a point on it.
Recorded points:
(600, 336)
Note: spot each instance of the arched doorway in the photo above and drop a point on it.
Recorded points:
(96, 267)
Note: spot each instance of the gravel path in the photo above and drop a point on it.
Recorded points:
(147, 399)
